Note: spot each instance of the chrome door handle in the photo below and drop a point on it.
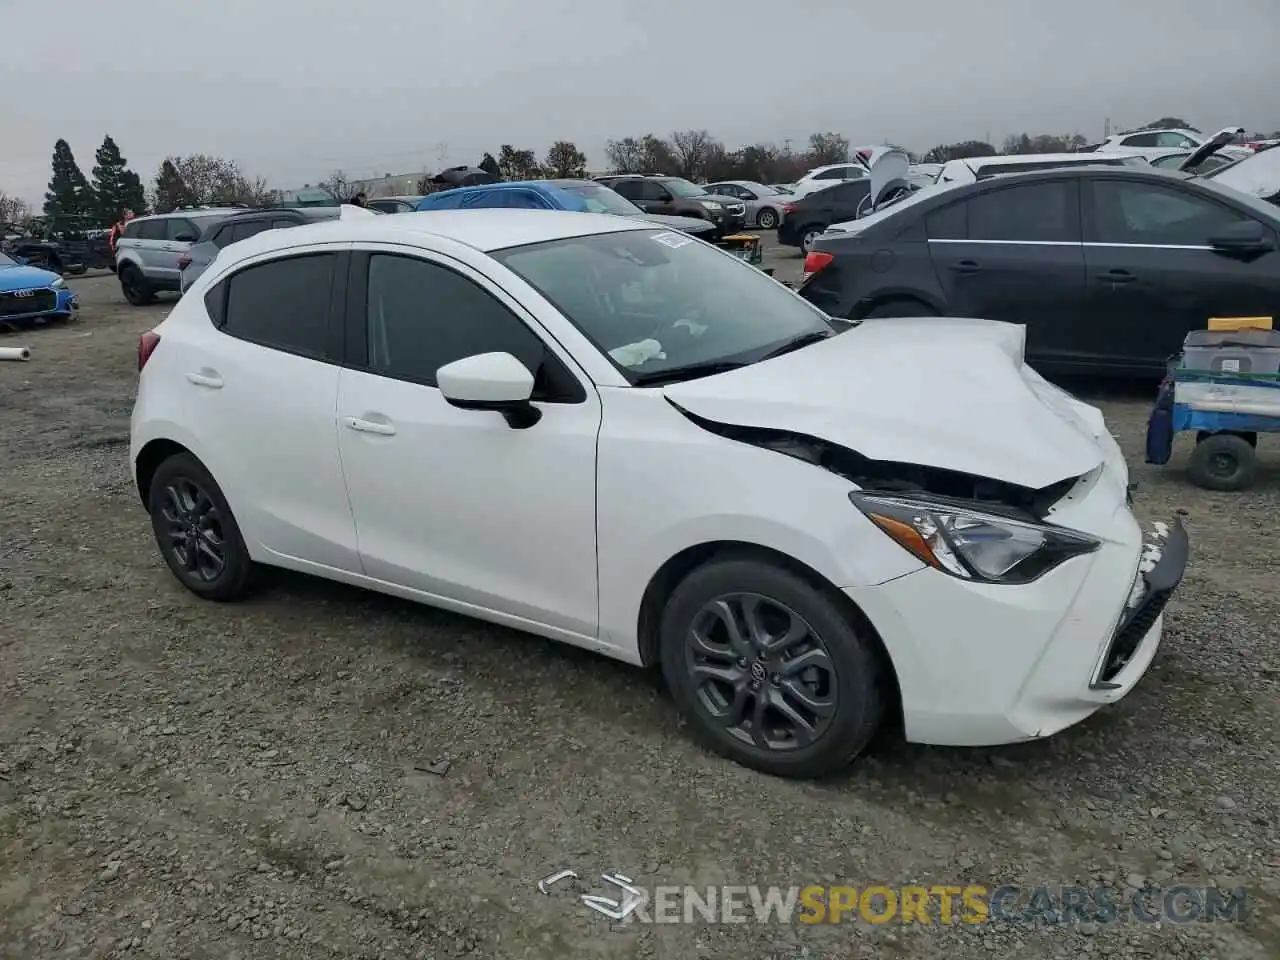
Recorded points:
(369, 426)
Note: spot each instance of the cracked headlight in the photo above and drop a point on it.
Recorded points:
(970, 543)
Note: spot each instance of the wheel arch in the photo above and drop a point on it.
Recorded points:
(896, 295)
(148, 460)
(676, 568)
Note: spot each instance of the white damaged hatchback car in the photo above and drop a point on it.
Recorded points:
(625, 439)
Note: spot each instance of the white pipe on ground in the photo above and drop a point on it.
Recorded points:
(15, 353)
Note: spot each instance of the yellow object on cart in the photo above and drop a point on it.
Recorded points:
(1235, 324)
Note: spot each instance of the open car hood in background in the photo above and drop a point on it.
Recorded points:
(888, 167)
(1211, 146)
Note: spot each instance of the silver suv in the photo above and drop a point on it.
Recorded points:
(150, 248)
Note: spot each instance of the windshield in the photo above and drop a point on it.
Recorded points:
(762, 189)
(683, 188)
(655, 300)
(7, 261)
(599, 199)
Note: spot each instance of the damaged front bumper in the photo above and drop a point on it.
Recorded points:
(1160, 569)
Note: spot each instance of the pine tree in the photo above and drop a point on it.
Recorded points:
(69, 193)
(115, 186)
(171, 191)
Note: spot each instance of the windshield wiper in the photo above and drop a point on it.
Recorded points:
(689, 371)
(795, 343)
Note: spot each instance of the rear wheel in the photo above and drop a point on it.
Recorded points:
(808, 235)
(196, 532)
(768, 219)
(135, 287)
(1223, 461)
(769, 669)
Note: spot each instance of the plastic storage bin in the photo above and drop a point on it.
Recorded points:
(1228, 352)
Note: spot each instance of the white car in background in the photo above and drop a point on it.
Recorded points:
(826, 176)
(613, 435)
(972, 169)
(1156, 143)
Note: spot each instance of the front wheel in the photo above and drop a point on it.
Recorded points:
(768, 219)
(196, 532)
(769, 670)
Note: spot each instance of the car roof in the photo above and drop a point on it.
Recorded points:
(485, 229)
(194, 214)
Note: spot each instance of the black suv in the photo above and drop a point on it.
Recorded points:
(804, 220)
(677, 197)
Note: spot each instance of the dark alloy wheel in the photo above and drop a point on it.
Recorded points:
(135, 287)
(197, 535)
(761, 671)
(1223, 461)
(767, 218)
(770, 669)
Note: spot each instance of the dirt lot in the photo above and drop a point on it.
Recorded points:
(186, 780)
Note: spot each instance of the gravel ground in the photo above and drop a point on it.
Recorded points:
(321, 772)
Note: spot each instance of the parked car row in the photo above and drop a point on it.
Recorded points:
(1108, 266)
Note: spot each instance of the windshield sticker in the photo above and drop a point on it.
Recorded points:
(672, 240)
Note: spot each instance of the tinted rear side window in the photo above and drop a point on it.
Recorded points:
(1044, 212)
(948, 223)
(151, 230)
(283, 304)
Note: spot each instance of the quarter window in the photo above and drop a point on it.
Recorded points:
(283, 304)
(1142, 213)
(422, 316)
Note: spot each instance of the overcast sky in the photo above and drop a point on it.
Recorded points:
(293, 89)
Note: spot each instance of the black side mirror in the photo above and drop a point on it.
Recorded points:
(1247, 237)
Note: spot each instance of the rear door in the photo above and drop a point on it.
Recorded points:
(1152, 275)
(180, 234)
(148, 244)
(1014, 253)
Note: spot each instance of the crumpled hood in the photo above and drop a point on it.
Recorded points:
(937, 392)
(23, 277)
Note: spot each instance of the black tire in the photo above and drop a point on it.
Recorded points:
(767, 218)
(850, 684)
(135, 287)
(188, 509)
(1223, 461)
(808, 234)
(901, 308)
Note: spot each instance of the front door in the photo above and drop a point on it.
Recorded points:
(1152, 275)
(456, 503)
(1014, 254)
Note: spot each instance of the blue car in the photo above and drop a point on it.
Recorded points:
(581, 196)
(30, 294)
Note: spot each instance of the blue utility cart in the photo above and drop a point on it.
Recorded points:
(1226, 388)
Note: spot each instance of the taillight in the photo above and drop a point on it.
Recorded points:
(183, 262)
(147, 344)
(814, 262)
(788, 208)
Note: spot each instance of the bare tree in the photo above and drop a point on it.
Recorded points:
(13, 209)
(827, 148)
(337, 186)
(625, 155)
(692, 149)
